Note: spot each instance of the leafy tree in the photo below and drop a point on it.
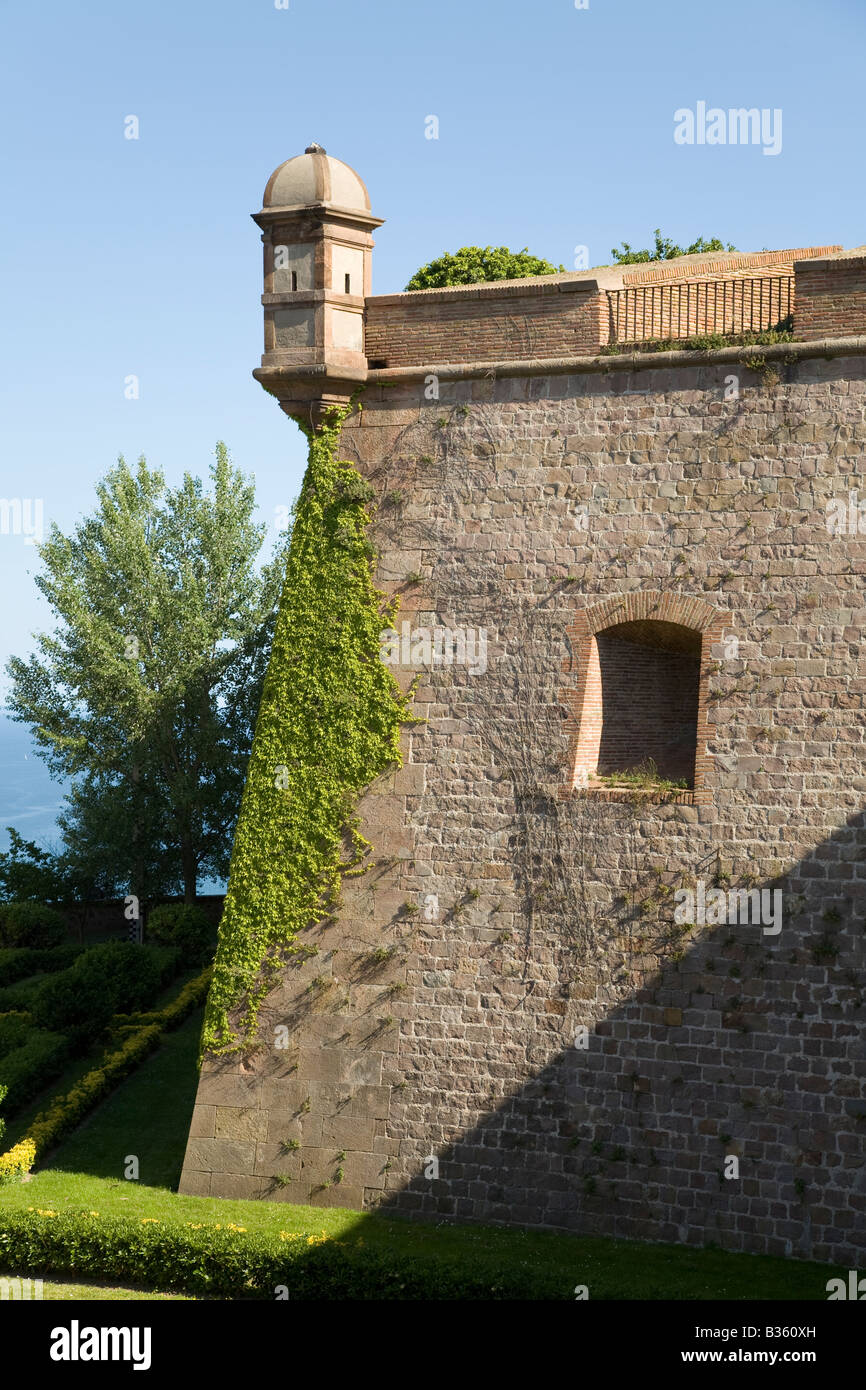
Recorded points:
(666, 250)
(146, 692)
(472, 265)
(29, 873)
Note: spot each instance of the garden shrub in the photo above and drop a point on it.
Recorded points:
(20, 1158)
(27, 1069)
(186, 927)
(17, 963)
(223, 1260)
(66, 1111)
(14, 1028)
(120, 975)
(22, 995)
(31, 924)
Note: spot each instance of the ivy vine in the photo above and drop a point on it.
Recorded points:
(328, 725)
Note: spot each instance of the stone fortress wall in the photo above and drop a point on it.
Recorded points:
(627, 556)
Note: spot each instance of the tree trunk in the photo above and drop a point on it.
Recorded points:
(137, 884)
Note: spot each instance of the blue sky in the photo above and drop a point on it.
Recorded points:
(555, 130)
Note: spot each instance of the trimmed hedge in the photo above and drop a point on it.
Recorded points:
(22, 995)
(19, 962)
(81, 1001)
(30, 1067)
(66, 1111)
(18, 1160)
(14, 1028)
(33, 925)
(232, 1263)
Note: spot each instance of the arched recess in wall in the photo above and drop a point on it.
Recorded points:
(640, 668)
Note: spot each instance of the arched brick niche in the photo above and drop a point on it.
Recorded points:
(639, 664)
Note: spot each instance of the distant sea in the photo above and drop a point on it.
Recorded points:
(30, 801)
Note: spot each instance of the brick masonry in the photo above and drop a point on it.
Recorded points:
(831, 296)
(507, 991)
(574, 315)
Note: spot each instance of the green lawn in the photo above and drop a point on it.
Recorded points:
(611, 1269)
(149, 1116)
(175, 1104)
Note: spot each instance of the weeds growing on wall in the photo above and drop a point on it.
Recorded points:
(328, 725)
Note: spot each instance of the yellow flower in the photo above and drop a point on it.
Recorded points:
(150, 1221)
(94, 1213)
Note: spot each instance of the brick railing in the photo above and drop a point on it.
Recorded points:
(643, 312)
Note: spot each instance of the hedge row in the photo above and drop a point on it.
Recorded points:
(28, 1068)
(23, 994)
(31, 924)
(17, 963)
(80, 1001)
(14, 1028)
(66, 1111)
(232, 1263)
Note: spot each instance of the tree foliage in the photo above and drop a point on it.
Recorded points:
(666, 250)
(472, 265)
(146, 692)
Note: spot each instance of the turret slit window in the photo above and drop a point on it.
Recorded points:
(294, 279)
(348, 284)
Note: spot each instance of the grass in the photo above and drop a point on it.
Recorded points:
(611, 1269)
(147, 1116)
(18, 1124)
(56, 1291)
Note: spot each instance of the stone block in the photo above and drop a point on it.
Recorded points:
(221, 1155)
(194, 1184)
(232, 1123)
(202, 1123)
(245, 1186)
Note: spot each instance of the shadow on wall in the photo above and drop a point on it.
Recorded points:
(724, 1102)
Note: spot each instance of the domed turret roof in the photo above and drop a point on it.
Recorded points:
(316, 177)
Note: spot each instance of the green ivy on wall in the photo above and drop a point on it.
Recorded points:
(328, 725)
